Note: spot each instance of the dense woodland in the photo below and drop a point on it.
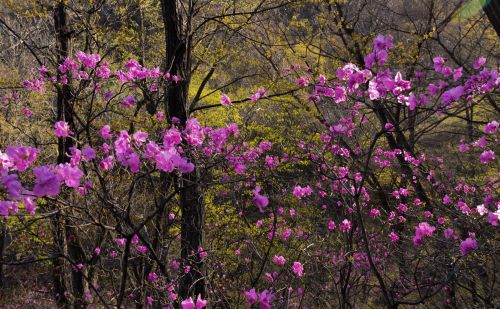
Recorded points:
(249, 154)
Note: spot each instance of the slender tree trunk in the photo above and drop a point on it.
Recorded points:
(3, 234)
(65, 112)
(178, 54)
(492, 10)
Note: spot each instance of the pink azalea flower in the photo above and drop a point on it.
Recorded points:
(27, 112)
(331, 225)
(128, 101)
(61, 129)
(152, 277)
(423, 229)
(487, 156)
(467, 246)
(300, 192)
(88, 153)
(46, 182)
(29, 206)
(201, 303)
(160, 116)
(298, 269)
(394, 237)
(188, 303)
(107, 163)
(193, 133)
(260, 200)
(479, 63)
(106, 132)
(491, 127)
(279, 259)
(448, 233)
(172, 138)
(374, 212)
(258, 95)
(70, 174)
(345, 226)
(225, 100)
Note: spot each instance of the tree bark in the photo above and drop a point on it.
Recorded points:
(178, 62)
(492, 10)
(65, 112)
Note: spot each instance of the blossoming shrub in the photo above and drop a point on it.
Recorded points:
(355, 214)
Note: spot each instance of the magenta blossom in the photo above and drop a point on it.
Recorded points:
(62, 129)
(279, 259)
(128, 101)
(487, 156)
(71, 175)
(260, 200)
(468, 245)
(298, 269)
(46, 181)
(300, 192)
(423, 229)
(189, 303)
(18, 157)
(106, 132)
(225, 100)
(491, 127)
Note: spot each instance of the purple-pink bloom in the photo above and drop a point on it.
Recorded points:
(62, 129)
(201, 303)
(487, 156)
(188, 303)
(225, 100)
(300, 192)
(106, 132)
(107, 163)
(491, 127)
(134, 162)
(393, 236)
(7, 207)
(298, 269)
(345, 226)
(279, 259)
(423, 229)
(152, 277)
(331, 225)
(70, 174)
(88, 60)
(448, 233)
(128, 101)
(260, 200)
(438, 64)
(46, 181)
(468, 245)
(381, 42)
(12, 185)
(452, 95)
(172, 138)
(259, 94)
(193, 132)
(88, 153)
(479, 63)
(139, 137)
(29, 206)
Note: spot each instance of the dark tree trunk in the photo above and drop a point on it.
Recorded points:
(178, 54)
(67, 240)
(3, 234)
(492, 10)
